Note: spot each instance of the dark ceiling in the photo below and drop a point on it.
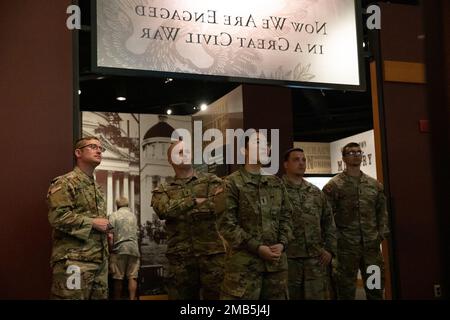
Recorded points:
(318, 115)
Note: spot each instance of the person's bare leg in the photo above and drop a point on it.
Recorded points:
(132, 286)
(117, 289)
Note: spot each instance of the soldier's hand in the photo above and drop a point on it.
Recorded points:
(325, 258)
(266, 253)
(199, 201)
(100, 224)
(219, 190)
(277, 248)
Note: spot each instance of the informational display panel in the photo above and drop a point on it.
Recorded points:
(289, 42)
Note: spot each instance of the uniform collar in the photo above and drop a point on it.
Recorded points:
(288, 183)
(252, 178)
(362, 178)
(181, 181)
(80, 173)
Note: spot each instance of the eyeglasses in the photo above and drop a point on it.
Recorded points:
(94, 147)
(354, 153)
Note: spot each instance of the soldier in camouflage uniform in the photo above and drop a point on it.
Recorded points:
(194, 248)
(359, 207)
(314, 246)
(78, 217)
(255, 223)
(124, 259)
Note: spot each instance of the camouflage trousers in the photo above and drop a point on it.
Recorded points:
(354, 258)
(79, 280)
(254, 285)
(194, 278)
(308, 280)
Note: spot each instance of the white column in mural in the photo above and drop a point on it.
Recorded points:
(116, 191)
(125, 191)
(95, 175)
(132, 193)
(109, 193)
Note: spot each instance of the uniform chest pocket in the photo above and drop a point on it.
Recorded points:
(311, 216)
(276, 199)
(248, 208)
(86, 202)
(312, 209)
(248, 197)
(369, 195)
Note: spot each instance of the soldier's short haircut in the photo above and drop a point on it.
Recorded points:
(348, 146)
(82, 141)
(288, 153)
(122, 202)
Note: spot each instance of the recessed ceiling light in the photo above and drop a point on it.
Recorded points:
(121, 99)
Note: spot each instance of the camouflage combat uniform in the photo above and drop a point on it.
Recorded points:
(254, 210)
(194, 249)
(359, 208)
(74, 200)
(314, 230)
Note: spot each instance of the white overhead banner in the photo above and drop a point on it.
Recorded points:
(313, 42)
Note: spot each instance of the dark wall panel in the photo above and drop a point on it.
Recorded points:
(36, 133)
(409, 161)
(267, 107)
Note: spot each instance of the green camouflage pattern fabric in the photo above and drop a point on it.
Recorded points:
(74, 200)
(254, 210)
(191, 228)
(93, 281)
(312, 221)
(308, 280)
(359, 207)
(125, 232)
(255, 286)
(314, 230)
(350, 259)
(194, 278)
(195, 250)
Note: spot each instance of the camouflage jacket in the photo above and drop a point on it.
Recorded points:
(74, 200)
(255, 211)
(359, 209)
(312, 219)
(191, 228)
(125, 232)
